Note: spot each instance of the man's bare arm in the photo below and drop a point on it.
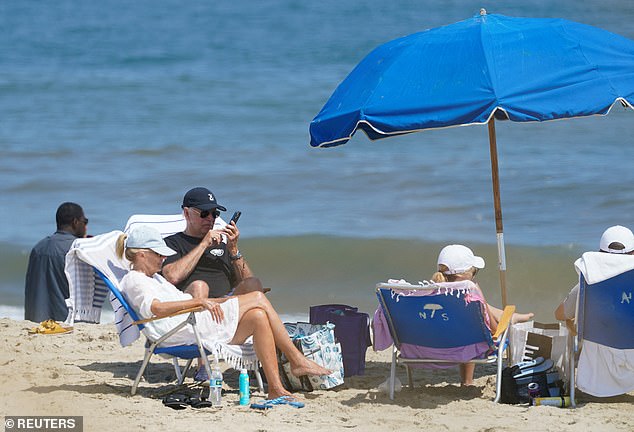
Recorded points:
(242, 269)
(179, 270)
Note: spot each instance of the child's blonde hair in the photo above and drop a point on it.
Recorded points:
(442, 276)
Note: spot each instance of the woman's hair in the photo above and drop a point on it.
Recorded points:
(122, 250)
(441, 276)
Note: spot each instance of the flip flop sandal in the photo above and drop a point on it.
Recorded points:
(50, 327)
(197, 402)
(282, 400)
(530, 363)
(177, 401)
(542, 367)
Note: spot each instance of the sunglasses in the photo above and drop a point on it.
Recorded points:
(204, 213)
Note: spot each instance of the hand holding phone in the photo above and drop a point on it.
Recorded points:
(235, 217)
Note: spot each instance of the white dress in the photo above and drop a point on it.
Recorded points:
(141, 290)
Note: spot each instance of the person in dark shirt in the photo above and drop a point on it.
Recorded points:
(204, 265)
(46, 286)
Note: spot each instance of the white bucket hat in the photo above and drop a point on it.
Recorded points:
(146, 237)
(459, 259)
(617, 234)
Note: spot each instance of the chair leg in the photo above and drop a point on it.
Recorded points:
(258, 377)
(500, 362)
(148, 355)
(410, 377)
(572, 349)
(393, 373)
(498, 379)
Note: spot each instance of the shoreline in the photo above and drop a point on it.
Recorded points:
(87, 373)
(311, 270)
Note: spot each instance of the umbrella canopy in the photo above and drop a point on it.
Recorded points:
(470, 72)
(529, 68)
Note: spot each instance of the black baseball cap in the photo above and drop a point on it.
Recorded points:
(202, 199)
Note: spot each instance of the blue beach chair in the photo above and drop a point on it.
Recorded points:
(605, 316)
(187, 352)
(438, 321)
(94, 259)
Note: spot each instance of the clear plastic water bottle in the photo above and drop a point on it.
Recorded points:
(244, 387)
(215, 387)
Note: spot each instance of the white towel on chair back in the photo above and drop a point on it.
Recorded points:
(99, 252)
(604, 371)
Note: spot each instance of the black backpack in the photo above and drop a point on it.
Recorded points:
(516, 378)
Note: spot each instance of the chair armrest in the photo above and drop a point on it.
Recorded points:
(505, 320)
(154, 318)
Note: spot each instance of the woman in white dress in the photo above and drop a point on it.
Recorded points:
(229, 320)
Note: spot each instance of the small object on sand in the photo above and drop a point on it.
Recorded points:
(50, 327)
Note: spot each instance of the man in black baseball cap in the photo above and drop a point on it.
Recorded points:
(207, 262)
(202, 199)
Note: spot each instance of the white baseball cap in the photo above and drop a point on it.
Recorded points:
(617, 234)
(459, 259)
(147, 237)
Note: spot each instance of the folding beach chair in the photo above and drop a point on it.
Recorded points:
(603, 349)
(430, 323)
(97, 255)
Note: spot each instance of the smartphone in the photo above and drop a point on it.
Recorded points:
(235, 217)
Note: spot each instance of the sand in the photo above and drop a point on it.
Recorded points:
(87, 373)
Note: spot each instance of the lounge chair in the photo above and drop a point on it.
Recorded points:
(603, 349)
(165, 224)
(97, 255)
(435, 326)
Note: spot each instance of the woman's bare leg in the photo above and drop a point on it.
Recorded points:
(516, 318)
(300, 365)
(255, 322)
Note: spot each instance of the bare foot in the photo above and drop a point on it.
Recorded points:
(309, 367)
(520, 318)
(274, 394)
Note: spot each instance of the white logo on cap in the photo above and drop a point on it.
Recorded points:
(211, 197)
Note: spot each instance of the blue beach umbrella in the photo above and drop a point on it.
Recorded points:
(475, 71)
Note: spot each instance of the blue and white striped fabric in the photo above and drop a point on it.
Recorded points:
(86, 296)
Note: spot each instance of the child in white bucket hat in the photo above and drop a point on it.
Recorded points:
(459, 263)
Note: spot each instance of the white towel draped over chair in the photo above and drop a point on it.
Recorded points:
(604, 343)
(88, 257)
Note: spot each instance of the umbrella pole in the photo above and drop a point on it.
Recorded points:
(498, 208)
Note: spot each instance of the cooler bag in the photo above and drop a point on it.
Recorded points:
(352, 330)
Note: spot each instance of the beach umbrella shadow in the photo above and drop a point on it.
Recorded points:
(476, 71)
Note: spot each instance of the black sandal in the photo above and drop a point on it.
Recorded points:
(197, 402)
(177, 401)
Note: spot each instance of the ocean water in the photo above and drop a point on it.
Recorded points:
(123, 106)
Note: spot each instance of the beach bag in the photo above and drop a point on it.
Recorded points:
(317, 343)
(516, 378)
(352, 331)
(530, 340)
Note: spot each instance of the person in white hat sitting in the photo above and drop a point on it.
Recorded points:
(458, 263)
(615, 240)
(228, 320)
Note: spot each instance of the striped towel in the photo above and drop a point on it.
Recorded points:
(86, 296)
